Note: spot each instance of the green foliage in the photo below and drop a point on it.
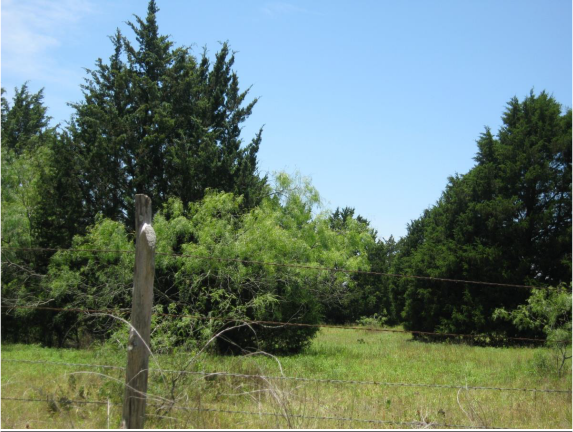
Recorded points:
(508, 220)
(154, 119)
(211, 280)
(20, 186)
(60, 212)
(157, 120)
(27, 160)
(374, 321)
(21, 270)
(87, 280)
(41, 200)
(368, 294)
(94, 280)
(282, 230)
(547, 310)
(24, 122)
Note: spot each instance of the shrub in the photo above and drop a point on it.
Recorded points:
(548, 310)
(210, 267)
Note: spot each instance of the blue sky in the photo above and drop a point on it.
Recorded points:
(378, 102)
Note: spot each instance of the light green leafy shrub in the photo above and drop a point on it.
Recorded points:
(210, 267)
(548, 310)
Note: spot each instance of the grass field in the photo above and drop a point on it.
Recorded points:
(271, 403)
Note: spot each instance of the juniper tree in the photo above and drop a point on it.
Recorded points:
(157, 120)
(25, 121)
(507, 220)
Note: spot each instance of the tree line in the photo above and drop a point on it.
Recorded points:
(160, 120)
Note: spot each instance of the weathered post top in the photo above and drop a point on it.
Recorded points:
(143, 211)
(143, 222)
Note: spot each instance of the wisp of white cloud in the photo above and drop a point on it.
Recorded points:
(32, 29)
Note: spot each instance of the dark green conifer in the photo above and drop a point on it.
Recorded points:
(158, 121)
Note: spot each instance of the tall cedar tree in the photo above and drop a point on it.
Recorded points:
(24, 123)
(157, 120)
(507, 220)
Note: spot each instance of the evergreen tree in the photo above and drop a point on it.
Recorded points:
(508, 220)
(156, 120)
(24, 123)
(60, 213)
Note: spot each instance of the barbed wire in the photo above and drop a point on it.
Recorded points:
(61, 400)
(265, 322)
(40, 249)
(262, 413)
(292, 378)
(281, 323)
(300, 266)
(57, 309)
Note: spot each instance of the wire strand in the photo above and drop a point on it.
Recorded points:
(300, 266)
(280, 323)
(62, 401)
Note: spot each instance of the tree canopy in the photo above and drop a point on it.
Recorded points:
(209, 265)
(508, 220)
(157, 120)
(25, 121)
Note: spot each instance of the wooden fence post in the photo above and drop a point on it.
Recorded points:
(135, 398)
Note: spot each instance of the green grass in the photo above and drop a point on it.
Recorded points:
(334, 354)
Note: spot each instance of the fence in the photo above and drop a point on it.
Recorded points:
(65, 403)
(137, 370)
(419, 424)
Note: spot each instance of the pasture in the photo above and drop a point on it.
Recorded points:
(74, 396)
